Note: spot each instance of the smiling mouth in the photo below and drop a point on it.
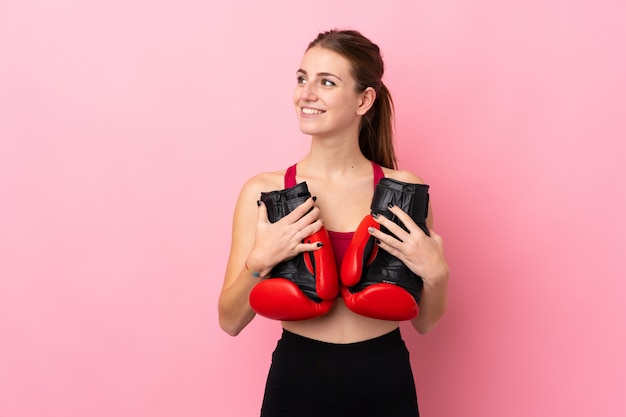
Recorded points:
(310, 111)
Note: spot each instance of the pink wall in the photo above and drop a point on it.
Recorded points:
(127, 128)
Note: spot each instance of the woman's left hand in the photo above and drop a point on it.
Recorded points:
(422, 254)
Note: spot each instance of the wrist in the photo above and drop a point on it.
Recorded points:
(255, 272)
(438, 280)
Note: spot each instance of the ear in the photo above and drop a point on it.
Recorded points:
(367, 101)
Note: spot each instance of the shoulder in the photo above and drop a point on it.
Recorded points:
(403, 175)
(263, 182)
(250, 193)
(408, 176)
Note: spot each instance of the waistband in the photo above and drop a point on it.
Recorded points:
(342, 351)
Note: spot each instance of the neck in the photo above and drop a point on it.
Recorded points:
(334, 157)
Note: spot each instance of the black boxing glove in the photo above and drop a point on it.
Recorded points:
(376, 283)
(304, 286)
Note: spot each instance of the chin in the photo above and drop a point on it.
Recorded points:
(309, 130)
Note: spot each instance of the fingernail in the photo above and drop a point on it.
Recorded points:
(371, 229)
(314, 198)
(320, 244)
(378, 241)
(258, 202)
(390, 205)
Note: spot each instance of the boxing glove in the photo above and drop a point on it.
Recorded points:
(376, 283)
(304, 286)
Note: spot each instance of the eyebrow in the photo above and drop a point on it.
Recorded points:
(319, 74)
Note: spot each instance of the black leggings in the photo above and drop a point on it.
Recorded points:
(372, 378)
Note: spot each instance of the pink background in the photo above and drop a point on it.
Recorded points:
(127, 128)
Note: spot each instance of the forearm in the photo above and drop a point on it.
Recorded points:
(234, 307)
(433, 304)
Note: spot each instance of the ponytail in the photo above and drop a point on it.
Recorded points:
(376, 134)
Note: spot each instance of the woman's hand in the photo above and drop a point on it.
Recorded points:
(282, 240)
(422, 254)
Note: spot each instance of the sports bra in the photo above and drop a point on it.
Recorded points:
(339, 240)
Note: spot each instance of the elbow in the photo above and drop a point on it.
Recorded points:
(229, 329)
(228, 325)
(424, 328)
(231, 324)
(225, 320)
(425, 324)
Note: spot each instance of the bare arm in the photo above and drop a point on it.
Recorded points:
(434, 297)
(234, 310)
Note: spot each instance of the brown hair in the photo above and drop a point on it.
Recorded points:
(376, 132)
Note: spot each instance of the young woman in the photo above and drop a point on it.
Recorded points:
(341, 363)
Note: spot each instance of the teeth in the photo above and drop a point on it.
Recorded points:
(307, 110)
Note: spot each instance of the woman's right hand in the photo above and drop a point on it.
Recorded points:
(282, 240)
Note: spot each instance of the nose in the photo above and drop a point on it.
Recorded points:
(309, 92)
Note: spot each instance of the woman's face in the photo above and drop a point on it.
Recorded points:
(325, 98)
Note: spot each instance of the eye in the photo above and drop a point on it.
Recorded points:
(327, 83)
(301, 79)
